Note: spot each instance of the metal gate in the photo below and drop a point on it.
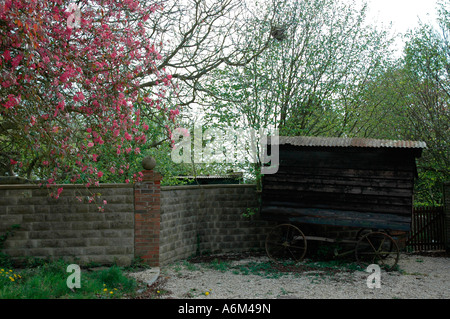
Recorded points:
(427, 230)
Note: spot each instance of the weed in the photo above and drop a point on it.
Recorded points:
(5, 259)
(137, 263)
(249, 212)
(219, 265)
(190, 266)
(49, 281)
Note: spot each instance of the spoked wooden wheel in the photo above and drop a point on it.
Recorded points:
(286, 242)
(377, 248)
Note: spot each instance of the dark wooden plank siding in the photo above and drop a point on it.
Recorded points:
(378, 181)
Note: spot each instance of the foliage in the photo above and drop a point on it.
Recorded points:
(4, 258)
(71, 105)
(411, 98)
(426, 61)
(302, 83)
(305, 83)
(9, 232)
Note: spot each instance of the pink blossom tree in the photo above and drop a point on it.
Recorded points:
(72, 108)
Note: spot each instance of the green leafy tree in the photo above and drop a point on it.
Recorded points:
(309, 81)
(409, 100)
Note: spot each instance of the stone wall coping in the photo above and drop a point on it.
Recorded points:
(35, 186)
(124, 185)
(181, 187)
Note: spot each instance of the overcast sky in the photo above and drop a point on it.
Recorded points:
(404, 14)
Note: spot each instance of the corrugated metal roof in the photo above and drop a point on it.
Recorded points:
(348, 142)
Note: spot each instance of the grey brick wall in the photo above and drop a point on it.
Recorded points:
(66, 228)
(193, 219)
(208, 218)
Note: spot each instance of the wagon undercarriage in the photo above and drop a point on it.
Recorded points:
(286, 242)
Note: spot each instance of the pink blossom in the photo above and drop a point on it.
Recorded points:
(7, 55)
(15, 62)
(12, 101)
(90, 73)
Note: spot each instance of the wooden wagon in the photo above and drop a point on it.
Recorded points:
(364, 184)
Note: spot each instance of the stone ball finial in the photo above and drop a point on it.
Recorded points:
(149, 162)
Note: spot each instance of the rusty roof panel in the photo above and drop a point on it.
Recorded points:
(348, 142)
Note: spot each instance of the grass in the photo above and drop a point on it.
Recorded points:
(49, 281)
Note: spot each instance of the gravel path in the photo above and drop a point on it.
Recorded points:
(419, 277)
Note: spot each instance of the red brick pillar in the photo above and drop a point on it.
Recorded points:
(147, 207)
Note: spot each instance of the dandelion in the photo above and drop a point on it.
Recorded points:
(105, 289)
(12, 279)
(207, 293)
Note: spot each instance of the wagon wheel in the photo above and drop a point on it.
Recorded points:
(364, 231)
(377, 248)
(286, 242)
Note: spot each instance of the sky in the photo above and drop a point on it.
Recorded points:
(404, 14)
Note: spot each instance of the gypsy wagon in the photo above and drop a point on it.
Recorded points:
(364, 184)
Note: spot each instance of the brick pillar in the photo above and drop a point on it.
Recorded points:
(147, 207)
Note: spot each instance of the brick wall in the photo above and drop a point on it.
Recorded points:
(157, 224)
(208, 218)
(66, 228)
